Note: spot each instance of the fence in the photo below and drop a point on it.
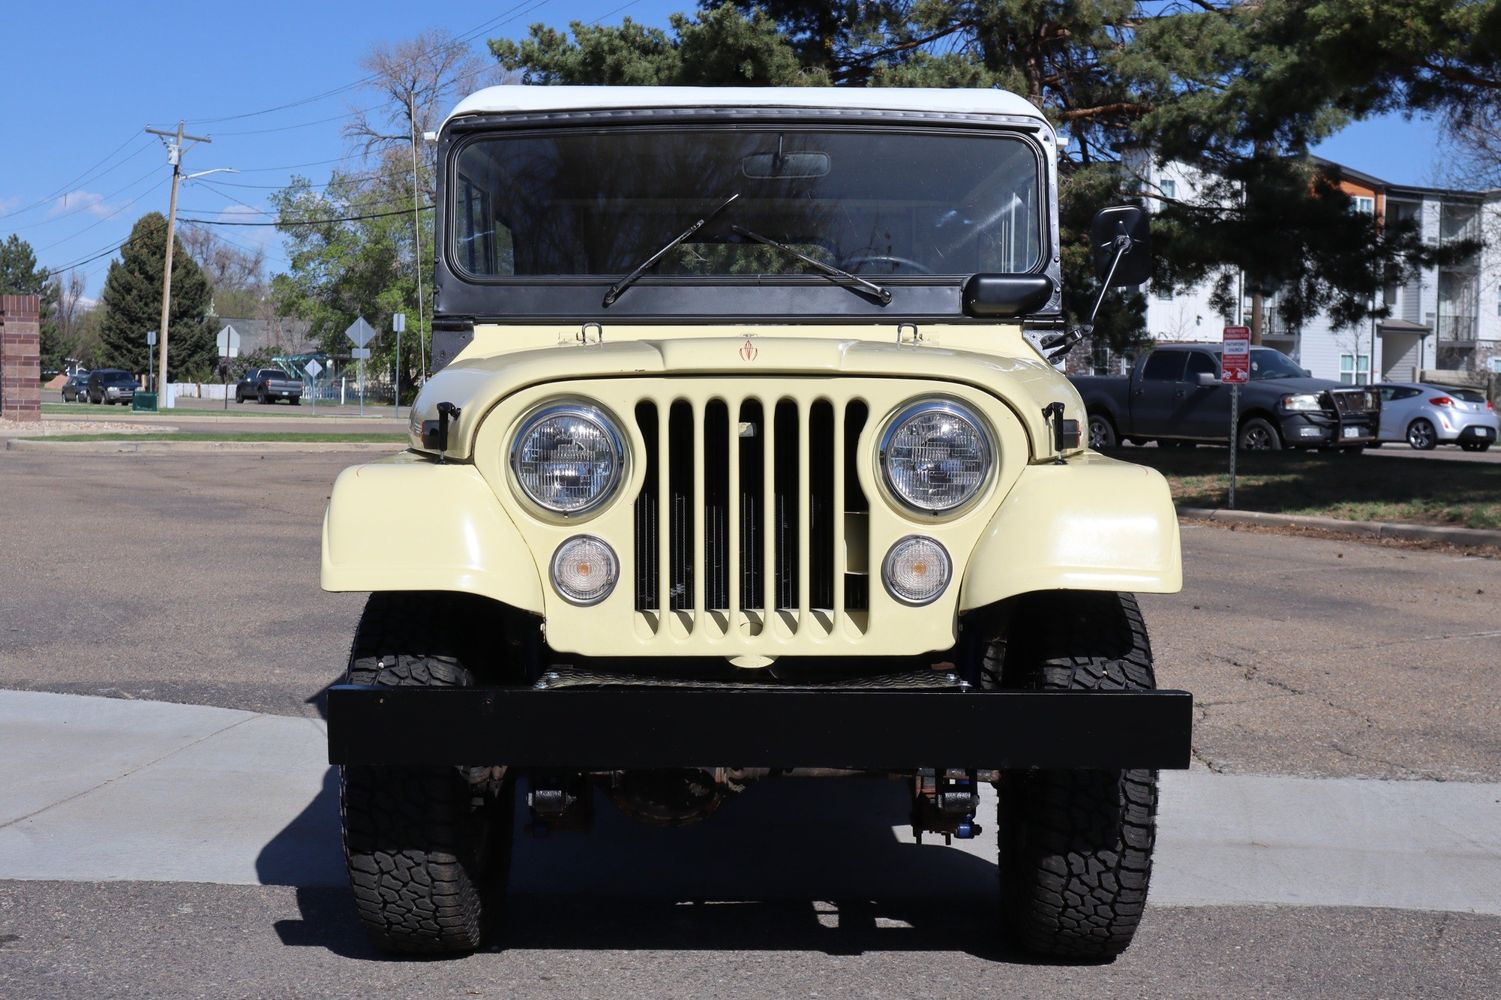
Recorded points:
(336, 391)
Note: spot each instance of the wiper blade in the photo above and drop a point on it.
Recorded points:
(849, 280)
(641, 268)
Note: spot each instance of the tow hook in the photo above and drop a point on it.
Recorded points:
(944, 801)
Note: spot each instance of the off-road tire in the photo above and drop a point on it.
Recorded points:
(1075, 846)
(427, 847)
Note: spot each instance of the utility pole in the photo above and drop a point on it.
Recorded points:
(174, 143)
(416, 236)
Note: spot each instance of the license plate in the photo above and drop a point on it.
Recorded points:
(286, 392)
(1351, 432)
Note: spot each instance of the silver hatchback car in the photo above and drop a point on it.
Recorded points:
(1426, 416)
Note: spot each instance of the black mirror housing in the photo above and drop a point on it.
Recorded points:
(1109, 225)
(1002, 296)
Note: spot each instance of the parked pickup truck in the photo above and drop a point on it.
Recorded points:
(267, 385)
(1174, 395)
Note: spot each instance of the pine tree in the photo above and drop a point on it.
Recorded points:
(19, 275)
(132, 304)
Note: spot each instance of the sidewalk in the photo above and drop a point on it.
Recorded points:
(99, 789)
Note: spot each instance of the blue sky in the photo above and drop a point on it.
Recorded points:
(84, 80)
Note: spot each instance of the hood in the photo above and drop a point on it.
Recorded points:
(995, 360)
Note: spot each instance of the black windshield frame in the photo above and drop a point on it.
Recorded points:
(697, 298)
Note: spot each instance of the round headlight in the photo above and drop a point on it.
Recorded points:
(567, 458)
(935, 456)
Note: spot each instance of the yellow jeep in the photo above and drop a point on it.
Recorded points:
(747, 458)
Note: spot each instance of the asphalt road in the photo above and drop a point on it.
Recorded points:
(193, 579)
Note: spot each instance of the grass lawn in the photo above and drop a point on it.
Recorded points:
(1352, 487)
(359, 437)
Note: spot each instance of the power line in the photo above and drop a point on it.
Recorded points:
(87, 175)
(103, 199)
(306, 222)
(101, 220)
(503, 17)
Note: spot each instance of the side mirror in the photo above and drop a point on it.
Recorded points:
(1208, 378)
(1121, 231)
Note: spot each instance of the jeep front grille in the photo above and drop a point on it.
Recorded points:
(751, 515)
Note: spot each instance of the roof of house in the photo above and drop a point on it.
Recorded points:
(280, 334)
(518, 98)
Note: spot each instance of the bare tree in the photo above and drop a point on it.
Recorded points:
(69, 311)
(236, 273)
(419, 81)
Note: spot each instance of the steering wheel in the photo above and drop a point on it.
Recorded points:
(855, 263)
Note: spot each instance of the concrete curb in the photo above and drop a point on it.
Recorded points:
(127, 446)
(1474, 537)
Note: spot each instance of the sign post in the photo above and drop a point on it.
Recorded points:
(313, 368)
(229, 347)
(360, 333)
(1235, 371)
(398, 323)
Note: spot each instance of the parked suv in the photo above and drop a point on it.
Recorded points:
(111, 385)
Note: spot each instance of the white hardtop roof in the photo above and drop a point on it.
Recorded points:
(518, 98)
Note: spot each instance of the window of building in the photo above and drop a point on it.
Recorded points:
(1355, 369)
(1169, 189)
(1364, 205)
(1164, 293)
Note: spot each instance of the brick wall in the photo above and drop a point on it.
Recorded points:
(20, 357)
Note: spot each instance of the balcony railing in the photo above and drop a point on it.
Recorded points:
(1455, 327)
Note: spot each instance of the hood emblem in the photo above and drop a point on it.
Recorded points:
(748, 351)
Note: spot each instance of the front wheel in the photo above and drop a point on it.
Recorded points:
(1101, 432)
(1421, 435)
(427, 847)
(1075, 846)
(1258, 434)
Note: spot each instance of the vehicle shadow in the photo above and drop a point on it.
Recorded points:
(791, 864)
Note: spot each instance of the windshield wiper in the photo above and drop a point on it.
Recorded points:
(850, 281)
(641, 268)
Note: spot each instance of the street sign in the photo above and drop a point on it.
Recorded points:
(399, 322)
(229, 342)
(360, 333)
(313, 368)
(150, 338)
(1235, 356)
(360, 353)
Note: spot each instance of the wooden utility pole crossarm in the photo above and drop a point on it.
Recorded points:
(174, 143)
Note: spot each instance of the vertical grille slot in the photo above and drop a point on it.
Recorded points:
(648, 505)
(716, 435)
(752, 489)
(786, 499)
(856, 514)
(680, 476)
(823, 466)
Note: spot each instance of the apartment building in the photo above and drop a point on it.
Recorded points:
(1443, 318)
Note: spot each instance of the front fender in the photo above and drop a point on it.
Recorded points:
(1093, 524)
(418, 525)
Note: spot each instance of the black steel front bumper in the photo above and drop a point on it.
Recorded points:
(653, 727)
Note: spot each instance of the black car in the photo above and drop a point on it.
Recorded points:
(111, 385)
(76, 389)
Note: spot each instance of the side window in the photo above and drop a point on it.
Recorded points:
(1200, 362)
(1406, 393)
(1163, 366)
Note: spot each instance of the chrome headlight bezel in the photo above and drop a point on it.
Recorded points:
(1302, 402)
(904, 416)
(582, 409)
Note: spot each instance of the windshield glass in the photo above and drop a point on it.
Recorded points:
(875, 202)
(1267, 363)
